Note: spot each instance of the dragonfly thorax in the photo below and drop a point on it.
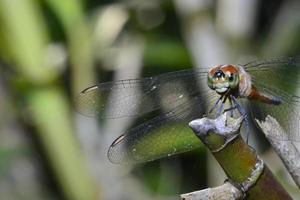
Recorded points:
(223, 78)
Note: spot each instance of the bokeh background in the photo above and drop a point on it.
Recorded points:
(51, 50)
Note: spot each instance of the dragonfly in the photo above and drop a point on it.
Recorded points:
(254, 90)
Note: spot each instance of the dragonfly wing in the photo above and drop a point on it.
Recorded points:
(281, 79)
(162, 136)
(136, 97)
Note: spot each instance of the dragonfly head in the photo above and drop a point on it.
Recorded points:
(223, 78)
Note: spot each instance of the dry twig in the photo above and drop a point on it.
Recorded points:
(285, 149)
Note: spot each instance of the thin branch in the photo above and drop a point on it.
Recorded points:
(227, 191)
(285, 149)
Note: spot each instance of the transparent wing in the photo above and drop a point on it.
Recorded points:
(164, 135)
(278, 78)
(136, 97)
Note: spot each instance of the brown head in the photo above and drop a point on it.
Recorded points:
(223, 78)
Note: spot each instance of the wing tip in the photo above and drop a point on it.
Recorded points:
(110, 153)
(117, 141)
(88, 89)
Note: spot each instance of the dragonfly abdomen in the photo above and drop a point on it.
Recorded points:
(265, 98)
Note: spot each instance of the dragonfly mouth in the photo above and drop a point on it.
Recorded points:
(221, 88)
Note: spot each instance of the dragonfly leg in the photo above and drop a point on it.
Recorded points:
(231, 107)
(221, 108)
(243, 112)
(215, 105)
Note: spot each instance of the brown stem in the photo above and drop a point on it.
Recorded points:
(237, 159)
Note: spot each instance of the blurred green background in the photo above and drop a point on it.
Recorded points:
(51, 50)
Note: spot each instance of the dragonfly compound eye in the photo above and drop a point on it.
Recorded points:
(219, 74)
(233, 80)
(210, 80)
